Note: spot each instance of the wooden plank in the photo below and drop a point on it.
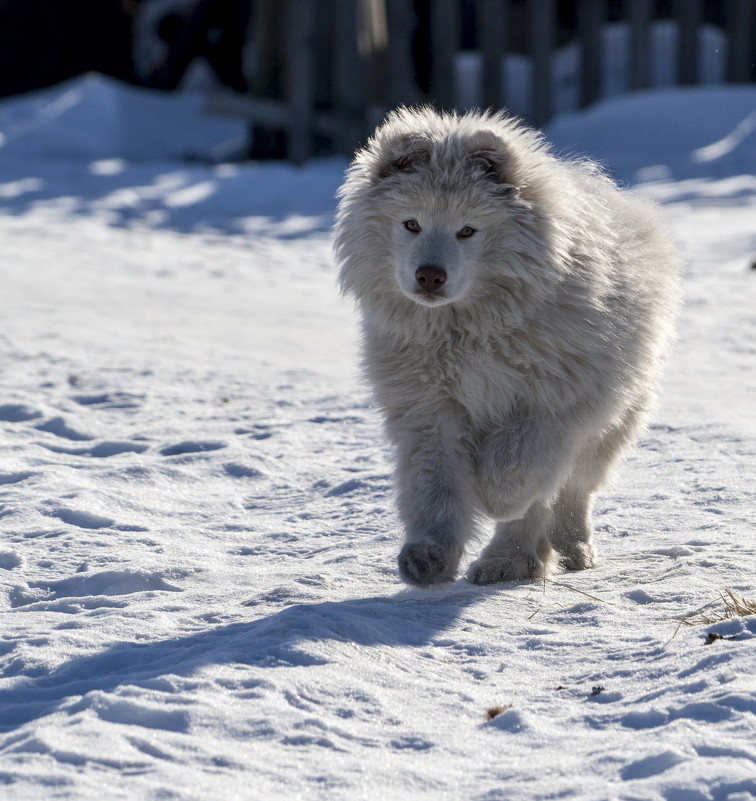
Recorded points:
(740, 19)
(401, 85)
(689, 14)
(444, 46)
(267, 113)
(492, 29)
(591, 19)
(639, 17)
(542, 24)
(300, 84)
(261, 111)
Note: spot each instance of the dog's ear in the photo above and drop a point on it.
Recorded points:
(490, 163)
(402, 154)
(491, 160)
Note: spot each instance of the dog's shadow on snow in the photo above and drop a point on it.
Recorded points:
(299, 635)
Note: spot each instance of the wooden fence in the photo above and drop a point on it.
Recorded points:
(327, 70)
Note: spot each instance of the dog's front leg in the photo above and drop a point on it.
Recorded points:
(433, 482)
(523, 462)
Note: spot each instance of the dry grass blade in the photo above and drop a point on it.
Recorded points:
(566, 587)
(734, 606)
(495, 711)
(581, 592)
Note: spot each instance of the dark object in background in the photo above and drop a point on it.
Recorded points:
(43, 42)
(215, 30)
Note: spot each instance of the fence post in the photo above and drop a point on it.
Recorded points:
(741, 39)
(591, 18)
(300, 81)
(542, 24)
(401, 83)
(689, 15)
(639, 15)
(268, 25)
(491, 30)
(444, 20)
(348, 76)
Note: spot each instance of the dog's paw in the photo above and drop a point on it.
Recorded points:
(424, 564)
(578, 556)
(493, 569)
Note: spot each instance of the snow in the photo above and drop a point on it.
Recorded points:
(198, 540)
(704, 133)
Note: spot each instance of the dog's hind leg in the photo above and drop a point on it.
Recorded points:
(520, 549)
(572, 527)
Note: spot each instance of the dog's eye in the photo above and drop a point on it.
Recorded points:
(466, 232)
(413, 226)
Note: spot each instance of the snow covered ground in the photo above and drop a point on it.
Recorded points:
(197, 545)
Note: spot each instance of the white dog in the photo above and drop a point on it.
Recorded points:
(516, 312)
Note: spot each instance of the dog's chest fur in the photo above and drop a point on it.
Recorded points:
(486, 372)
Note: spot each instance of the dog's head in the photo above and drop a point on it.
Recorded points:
(426, 205)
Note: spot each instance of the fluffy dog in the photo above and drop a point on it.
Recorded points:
(516, 311)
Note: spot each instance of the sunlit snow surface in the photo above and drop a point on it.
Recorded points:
(197, 544)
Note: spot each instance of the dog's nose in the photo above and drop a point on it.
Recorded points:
(430, 278)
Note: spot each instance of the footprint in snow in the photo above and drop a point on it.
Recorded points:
(410, 743)
(342, 419)
(59, 427)
(17, 413)
(81, 519)
(345, 488)
(105, 583)
(640, 597)
(115, 447)
(652, 765)
(129, 713)
(238, 470)
(191, 447)
(102, 450)
(9, 560)
(14, 478)
(109, 400)
(258, 431)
